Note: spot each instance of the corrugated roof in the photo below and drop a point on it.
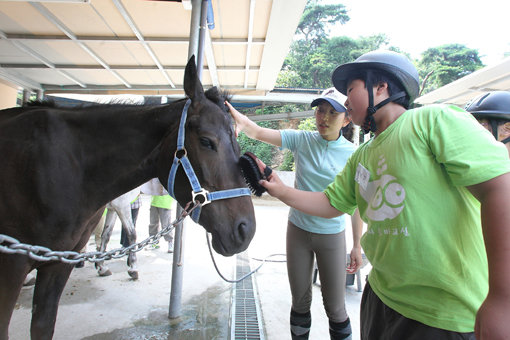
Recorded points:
(139, 46)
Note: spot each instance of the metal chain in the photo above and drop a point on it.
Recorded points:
(10, 245)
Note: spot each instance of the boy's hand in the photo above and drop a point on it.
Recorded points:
(356, 260)
(273, 184)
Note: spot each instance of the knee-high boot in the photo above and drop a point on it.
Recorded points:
(300, 324)
(340, 330)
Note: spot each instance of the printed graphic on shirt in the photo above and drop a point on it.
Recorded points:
(385, 196)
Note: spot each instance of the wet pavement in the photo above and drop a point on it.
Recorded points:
(117, 307)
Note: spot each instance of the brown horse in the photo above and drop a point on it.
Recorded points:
(61, 166)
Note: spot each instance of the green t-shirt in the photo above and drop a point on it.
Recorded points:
(163, 201)
(424, 237)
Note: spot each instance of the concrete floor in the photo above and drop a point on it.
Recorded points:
(116, 307)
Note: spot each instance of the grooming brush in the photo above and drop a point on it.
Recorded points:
(252, 173)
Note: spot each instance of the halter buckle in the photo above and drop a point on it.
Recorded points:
(203, 193)
(180, 153)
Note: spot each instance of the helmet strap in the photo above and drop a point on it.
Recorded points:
(506, 140)
(369, 123)
(494, 126)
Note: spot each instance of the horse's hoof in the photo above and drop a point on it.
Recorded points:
(104, 272)
(133, 274)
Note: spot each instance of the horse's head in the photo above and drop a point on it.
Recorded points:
(213, 152)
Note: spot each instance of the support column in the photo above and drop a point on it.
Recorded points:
(194, 48)
(39, 95)
(26, 96)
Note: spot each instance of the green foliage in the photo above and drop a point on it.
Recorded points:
(442, 65)
(316, 19)
(262, 150)
(288, 161)
(307, 124)
(312, 67)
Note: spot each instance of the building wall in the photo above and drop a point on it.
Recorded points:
(8, 95)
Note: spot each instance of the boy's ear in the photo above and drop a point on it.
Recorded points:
(382, 86)
(506, 126)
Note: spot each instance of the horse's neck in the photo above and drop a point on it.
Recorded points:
(126, 144)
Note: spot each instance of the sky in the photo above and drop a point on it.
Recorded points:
(415, 26)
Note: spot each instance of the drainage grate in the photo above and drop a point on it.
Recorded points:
(245, 315)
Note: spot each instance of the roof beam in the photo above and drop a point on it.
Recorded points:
(19, 80)
(92, 88)
(281, 116)
(285, 16)
(125, 40)
(140, 37)
(39, 57)
(54, 20)
(250, 38)
(211, 62)
(117, 67)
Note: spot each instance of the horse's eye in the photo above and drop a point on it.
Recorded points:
(207, 143)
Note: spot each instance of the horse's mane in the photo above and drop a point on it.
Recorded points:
(219, 97)
(41, 103)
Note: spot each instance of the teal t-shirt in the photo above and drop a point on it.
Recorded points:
(424, 237)
(317, 162)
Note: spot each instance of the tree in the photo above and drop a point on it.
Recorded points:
(312, 68)
(316, 19)
(441, 65)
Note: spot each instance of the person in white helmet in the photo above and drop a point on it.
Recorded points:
(421, 184)
(319, 156)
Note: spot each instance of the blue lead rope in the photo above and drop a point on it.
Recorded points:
(181, 157)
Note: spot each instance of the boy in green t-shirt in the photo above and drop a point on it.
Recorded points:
(421, 185)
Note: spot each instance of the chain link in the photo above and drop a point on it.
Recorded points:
(10, 245)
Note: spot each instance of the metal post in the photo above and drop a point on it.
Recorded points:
(26, 96)
(174, 310)
(40, 95)
(201, 38)
(194, 29)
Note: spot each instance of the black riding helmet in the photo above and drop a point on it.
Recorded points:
(395, 65)
(493, 106)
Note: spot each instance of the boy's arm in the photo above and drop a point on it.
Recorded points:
(494, 196)
(309, 202)
(357, 231)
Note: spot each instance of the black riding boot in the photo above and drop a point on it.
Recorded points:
(300, 324)
(340, 330)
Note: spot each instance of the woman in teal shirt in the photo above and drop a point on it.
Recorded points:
(319, 156)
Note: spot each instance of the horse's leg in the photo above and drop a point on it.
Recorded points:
(111, 216)
(51, 280)
(98, 231)
(127, 222)
(14, 269)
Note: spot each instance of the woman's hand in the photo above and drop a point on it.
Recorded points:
(238, 118)
(252, 130)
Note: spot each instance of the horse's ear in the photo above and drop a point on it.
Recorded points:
(192, 85)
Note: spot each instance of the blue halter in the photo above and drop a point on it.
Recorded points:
(181, 157)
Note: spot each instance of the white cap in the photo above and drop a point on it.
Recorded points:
(333, 97)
